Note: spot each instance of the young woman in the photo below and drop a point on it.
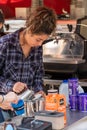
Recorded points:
(21, 62)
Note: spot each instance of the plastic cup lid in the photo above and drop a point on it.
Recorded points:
(52, 91)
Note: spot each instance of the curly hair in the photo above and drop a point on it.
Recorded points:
(42, 21)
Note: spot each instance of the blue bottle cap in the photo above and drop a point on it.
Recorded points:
(65, 81)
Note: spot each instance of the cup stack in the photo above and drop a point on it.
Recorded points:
(82, 102)
(73, 93)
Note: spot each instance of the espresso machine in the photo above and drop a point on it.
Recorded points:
(66, 54)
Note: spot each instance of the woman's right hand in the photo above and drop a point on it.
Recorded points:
(19, 87)
(9, 98)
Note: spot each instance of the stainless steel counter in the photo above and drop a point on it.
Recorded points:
(79, 125)
(75, 120)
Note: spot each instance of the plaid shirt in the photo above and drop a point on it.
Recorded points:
(15, 67)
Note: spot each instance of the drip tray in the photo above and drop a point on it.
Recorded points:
(63, 60)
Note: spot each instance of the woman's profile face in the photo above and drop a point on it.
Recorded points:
(34, 40)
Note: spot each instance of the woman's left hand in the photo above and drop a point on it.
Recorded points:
(42, 93)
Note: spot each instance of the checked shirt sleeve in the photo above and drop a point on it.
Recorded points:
(5, 84)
